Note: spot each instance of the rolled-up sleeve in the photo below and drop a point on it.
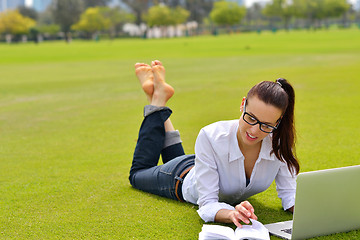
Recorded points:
(286, 187)
(207, 180)
(209, 211)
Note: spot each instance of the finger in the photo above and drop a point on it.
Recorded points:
(250, 208)
(243, 210)
(253, 216)
(241, 214)
(235, 220)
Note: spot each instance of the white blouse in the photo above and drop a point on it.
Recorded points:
(218, 179)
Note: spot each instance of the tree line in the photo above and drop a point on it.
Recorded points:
(88, 18)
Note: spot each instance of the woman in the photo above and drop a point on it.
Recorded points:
(233, 159)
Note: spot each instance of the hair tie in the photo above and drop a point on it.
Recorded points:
(277, 81)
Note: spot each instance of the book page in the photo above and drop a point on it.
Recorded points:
(256, 231)
(209, 232)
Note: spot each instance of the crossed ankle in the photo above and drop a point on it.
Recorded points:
(149, 109)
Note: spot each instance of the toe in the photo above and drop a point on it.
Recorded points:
(137, 65)
(156, 63)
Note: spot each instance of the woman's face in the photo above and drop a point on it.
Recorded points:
(251, 135)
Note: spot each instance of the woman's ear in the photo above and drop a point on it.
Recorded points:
(242, 104)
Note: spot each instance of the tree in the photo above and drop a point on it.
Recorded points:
(199, 9)
(117, 17)
(95, 3)
(49, 30)
(46, 26)
(254, 15)
(179, 15)
(139, 7)
(92, 21)
(161, 15)
(158, 15)
(66, 13)
(28, 12)
(317, 10)
(13, 23)
(46, 17)
(336, 8)
(312, 10)
(280, 8)
(227, 13)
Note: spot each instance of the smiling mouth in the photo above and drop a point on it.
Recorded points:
(250, 136)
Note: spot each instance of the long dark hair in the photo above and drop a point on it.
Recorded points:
(281, 95)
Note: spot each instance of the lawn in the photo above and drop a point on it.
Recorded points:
(69, 116)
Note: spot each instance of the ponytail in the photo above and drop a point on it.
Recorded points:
(281, 95)
(284, 137)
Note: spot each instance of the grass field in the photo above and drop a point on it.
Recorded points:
(69, 116)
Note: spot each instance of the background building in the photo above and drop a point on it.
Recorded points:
(357, 5)
(10, 4)
(40, 5)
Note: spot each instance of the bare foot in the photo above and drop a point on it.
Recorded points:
(162, 91)
(146, 77)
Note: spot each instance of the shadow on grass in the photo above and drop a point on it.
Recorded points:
(267, 214)
(163, 200)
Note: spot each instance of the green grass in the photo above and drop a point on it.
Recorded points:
(69, 116)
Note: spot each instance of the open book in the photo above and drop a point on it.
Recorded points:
(256, 231)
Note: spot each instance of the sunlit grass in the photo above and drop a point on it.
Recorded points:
(69, 116)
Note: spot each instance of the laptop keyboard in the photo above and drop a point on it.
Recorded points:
(287, 230)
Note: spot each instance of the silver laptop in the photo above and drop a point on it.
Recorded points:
(327, 201)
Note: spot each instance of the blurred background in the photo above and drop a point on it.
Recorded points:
(42, 20)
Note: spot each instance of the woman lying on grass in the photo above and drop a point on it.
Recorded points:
(233, 159)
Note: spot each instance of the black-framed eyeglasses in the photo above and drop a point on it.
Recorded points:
(251, 120)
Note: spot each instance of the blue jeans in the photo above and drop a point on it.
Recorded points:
(164, 180)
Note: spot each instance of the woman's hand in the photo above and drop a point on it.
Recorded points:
(291, 209)
(242, 213)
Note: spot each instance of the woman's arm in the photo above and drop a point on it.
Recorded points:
(286, 187)
(207, 179)
(242, 213)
